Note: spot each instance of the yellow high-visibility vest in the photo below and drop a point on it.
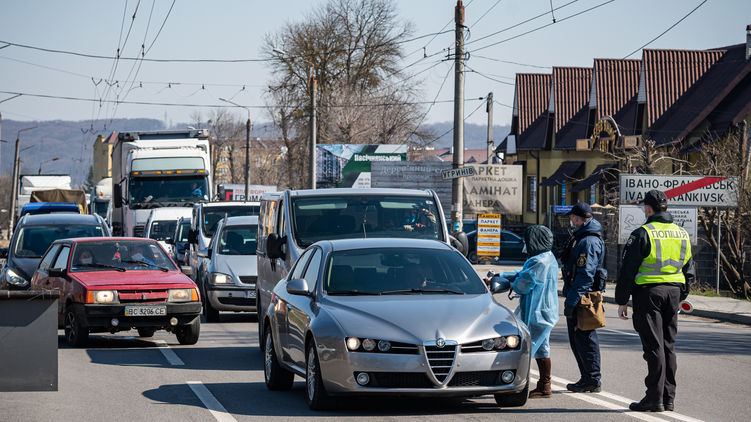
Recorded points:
(670, 250)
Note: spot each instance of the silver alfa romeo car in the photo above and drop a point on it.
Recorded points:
(392, 316)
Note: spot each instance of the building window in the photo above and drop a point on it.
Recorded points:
(532, 195)
(593, 194)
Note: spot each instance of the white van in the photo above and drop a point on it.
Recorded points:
(290, 221)
(161, 225)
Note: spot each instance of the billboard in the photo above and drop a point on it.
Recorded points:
(349, 165)
(414, 175)
(494, 188)
(236, 192)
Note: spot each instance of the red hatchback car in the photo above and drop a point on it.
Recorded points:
(116, 284)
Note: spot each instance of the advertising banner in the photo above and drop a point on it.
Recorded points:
(488, 235)
(414, 175)
(494, 188)
(349, 165)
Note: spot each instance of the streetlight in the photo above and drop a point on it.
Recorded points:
(16, 169)
(247, 147)
(46, 161)
(283, 56)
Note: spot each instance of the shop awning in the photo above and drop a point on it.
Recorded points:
(599, 172)
(565, 173)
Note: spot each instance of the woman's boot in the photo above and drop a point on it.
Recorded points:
(543, 384)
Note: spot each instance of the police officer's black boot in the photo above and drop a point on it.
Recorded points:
(543, 385)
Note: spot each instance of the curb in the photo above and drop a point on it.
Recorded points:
(719, 316)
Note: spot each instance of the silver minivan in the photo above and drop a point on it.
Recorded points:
(230, 278)
(290, 221)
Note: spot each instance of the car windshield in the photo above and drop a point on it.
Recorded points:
(347, 217)
(33, 241)
(238, 240)
(147, 190)
(182, 234)
(162, 230)
(111, 254)
(400, 271)
(212, 215)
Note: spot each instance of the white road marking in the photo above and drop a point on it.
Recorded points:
(625, 333)
(211, 403)
(168, 353)
(560, 383)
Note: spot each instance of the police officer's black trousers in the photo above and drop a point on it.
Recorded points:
(586, 348)
(656, 321)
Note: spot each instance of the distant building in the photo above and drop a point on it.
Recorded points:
(102, 156)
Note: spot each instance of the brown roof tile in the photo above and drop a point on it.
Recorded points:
(670, 73)
(532, 97)
(571, 92)
(617, 85)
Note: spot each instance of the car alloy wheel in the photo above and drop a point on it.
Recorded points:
(276, 377)
(310, 379)
(76, 334)
(267, 357)
(316, 395)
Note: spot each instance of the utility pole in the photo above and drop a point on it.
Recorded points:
(16, 176)
(489, 109)
(457, 188)
(247, 158)
(313, 129)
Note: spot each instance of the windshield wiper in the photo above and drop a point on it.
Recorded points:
(131, 261)
(96, 265)
(456, 292)
(353, 293)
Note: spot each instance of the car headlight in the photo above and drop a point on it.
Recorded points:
(182, 295)
(500, 343)
(15, 279)
(355, 344)
(512, 342)
(101, 296)
(219, 278)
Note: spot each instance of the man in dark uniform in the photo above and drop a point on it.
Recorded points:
(582, 258)
(657, 272)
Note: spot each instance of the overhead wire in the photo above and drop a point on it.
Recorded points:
(430, 107)
(667, 30)
(485, 14)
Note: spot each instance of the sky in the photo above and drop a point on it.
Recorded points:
(235, 29)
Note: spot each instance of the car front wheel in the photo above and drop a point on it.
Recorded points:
(211, 314)
(315, 392)
(76, 331)
(512, 400)
(188, 333)
(276, 377)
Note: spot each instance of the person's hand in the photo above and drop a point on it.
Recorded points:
(623, 312)
(568, 310)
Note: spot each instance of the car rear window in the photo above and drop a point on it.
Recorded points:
(33, 241)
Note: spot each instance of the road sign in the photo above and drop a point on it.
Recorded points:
(562, 209)
(694, 191)
(631, 217)
(456, 173)
(488, 235)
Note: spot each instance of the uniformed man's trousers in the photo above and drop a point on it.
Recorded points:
(656, 321)
(586, 348)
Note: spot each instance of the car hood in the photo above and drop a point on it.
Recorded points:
(25, 267)
(236, 265)
(131, 277)
(420, 318)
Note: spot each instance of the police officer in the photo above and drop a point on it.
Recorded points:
(657, 271)
(582, 258)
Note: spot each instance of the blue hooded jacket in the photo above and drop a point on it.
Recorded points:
(584, 256)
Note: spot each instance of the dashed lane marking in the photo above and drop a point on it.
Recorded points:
(168, 353)
(560, 385)
(212, 404)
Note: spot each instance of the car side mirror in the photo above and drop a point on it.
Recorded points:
(499, 285)
(3, 253)
(274, 246)
(459, 241)
(192, 236)
(117, 195)
(56, 272)
(298, 286)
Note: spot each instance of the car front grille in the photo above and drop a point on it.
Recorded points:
(441, 360)
(248, 279)
(142, 296)
(476, 379)
(398, 380)
(138, 230)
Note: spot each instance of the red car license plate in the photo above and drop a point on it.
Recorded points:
(145, 310)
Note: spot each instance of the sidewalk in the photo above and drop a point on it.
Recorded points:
(719, 308)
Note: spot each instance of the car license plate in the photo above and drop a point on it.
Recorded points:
(250, 294)
(145, 310)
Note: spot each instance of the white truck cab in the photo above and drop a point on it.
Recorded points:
(162, 223)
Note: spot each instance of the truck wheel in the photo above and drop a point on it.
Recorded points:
(512, 400)
(188, 333)
(276, 377)
(76, 332)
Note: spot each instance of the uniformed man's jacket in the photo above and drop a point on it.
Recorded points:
(638, 249)
(670, 249)
(581, 260)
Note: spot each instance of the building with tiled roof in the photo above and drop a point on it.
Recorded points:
(615, 85)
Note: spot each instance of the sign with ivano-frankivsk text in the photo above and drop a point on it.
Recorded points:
(696, 191)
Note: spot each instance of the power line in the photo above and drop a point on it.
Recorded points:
(666, 31)
(488, 77)
(543, 26)
(161, 27)
(485, 14)
(477, 56)
(434, 140)
(430, 107)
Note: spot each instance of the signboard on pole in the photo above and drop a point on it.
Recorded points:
(692, 191)
(632, 217)
(236, 192)
(349, 165)
(488, 236)
(495, 188)
(460, 172)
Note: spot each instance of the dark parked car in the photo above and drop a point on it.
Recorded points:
(34, 234)
(512, 247)
(116, 284)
